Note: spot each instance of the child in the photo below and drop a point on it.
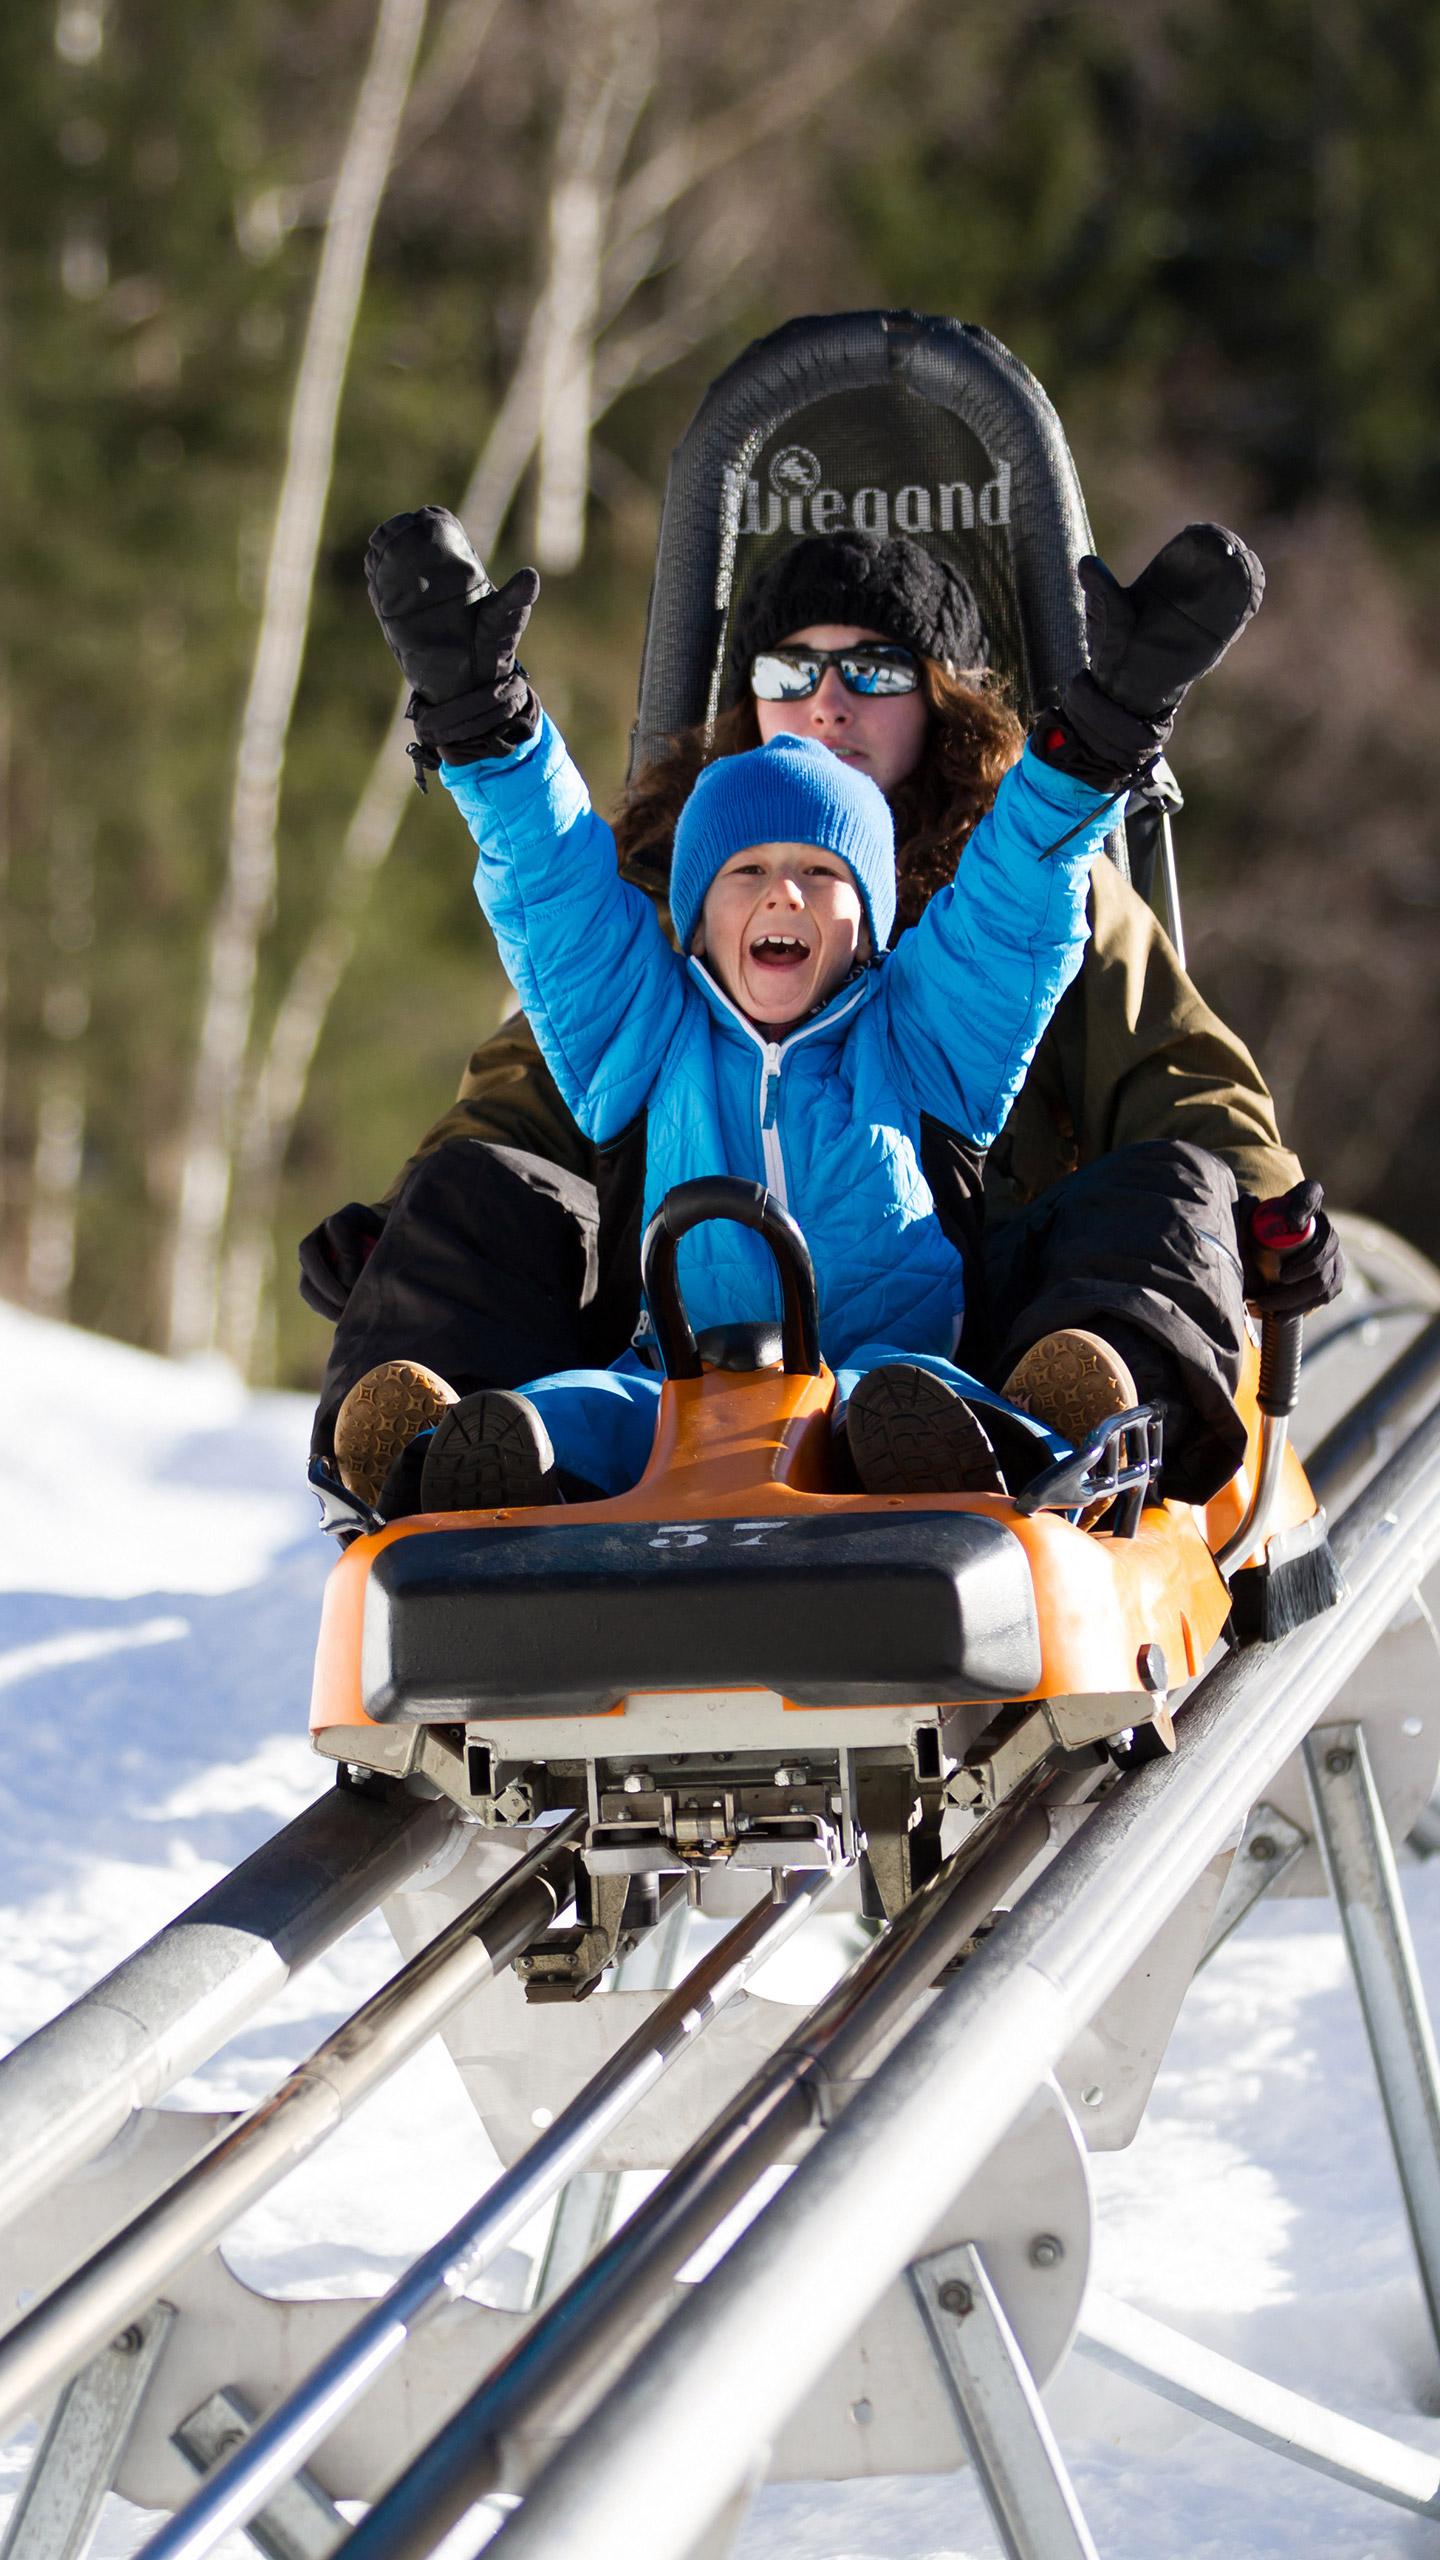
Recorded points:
(780, 1042)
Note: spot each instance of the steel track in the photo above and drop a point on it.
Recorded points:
(987, 2041)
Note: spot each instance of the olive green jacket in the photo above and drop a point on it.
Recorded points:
(1132, 1052)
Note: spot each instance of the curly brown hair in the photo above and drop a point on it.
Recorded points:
(973, 739)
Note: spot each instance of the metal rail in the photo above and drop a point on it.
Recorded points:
(613, 2299)
(240, 2485)
(1367, 1434)
(125, 2276)
(68, 2089)
(674, 2437)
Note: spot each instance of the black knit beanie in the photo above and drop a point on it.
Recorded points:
(891, 585)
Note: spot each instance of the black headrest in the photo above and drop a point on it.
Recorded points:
(886, 420)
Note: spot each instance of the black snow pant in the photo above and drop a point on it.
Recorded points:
(495, 1267)
(490, 1269)
(1138, 1246)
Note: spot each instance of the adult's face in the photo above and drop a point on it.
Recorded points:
(882, 734)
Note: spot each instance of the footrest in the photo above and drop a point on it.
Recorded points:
(1119, 1462)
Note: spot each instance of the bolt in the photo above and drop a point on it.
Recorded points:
(795, 1808)
(1153, 1671)
(130, 2341)
(1263, 1847)
(1340, 1761)
(1092, 2096)
(861, 2412)
(1046, 2250)
(636, 1782)
(956, 2298)
(789, 1778)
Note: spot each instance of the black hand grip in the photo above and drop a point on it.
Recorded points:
(1281, 1339)
(748, 1204)
(1281, 1336)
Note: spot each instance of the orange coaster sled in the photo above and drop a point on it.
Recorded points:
(733, 1662)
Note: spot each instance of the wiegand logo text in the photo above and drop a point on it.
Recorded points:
(797, 499)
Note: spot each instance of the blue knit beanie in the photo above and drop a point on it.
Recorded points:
(791, 791)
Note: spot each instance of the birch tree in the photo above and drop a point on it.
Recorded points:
(5, 838)
(250, 877)
(57, 1156)
(608, 233)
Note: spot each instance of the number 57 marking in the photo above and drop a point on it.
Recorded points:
(683, 1533)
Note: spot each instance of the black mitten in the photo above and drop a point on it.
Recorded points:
(1147, 644)
(1302, 1276)
(455, 636)
(334, 1254)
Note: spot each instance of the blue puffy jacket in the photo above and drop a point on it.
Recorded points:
(830, 1119)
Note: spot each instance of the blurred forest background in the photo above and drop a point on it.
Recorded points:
(270, 269)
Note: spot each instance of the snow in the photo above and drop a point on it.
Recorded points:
(161, 1575)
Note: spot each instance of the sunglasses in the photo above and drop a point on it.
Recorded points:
(873, 668)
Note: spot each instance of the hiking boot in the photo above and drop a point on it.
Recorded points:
(379, 1418)
(489, 1452)
(911, 1432)
(1073, 1381)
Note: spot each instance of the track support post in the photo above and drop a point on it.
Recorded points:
(300, 2521)
(1017, 2461)
(1360, 1864)
(1149, 2352)
(79, 2453)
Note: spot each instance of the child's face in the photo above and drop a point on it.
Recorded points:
(781, 928)
(882, 735)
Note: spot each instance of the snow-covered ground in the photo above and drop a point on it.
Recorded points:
(161, 1574)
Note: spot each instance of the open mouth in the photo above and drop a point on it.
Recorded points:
(779, 951)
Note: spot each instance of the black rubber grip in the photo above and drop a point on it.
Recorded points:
(748, 1204)
(1280, 1345)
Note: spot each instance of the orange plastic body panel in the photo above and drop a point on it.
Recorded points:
(729, 1446)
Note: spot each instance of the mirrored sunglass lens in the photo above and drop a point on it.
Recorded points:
(783, 679)
(880, 675)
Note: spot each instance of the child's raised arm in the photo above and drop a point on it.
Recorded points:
(971, 989)
(583, 950)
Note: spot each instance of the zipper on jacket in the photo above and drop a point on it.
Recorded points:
(770, 1064)
(769, 1122)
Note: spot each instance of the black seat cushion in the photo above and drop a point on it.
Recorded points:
(853, 1610)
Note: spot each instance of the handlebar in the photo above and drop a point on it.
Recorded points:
(1278, 1391)
(747, 1204)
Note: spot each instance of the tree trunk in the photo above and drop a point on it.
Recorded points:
(59, 1148)
(597, 117)
(5, 842)
(249, 889)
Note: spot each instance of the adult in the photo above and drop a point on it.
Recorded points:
(1117, 1196)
